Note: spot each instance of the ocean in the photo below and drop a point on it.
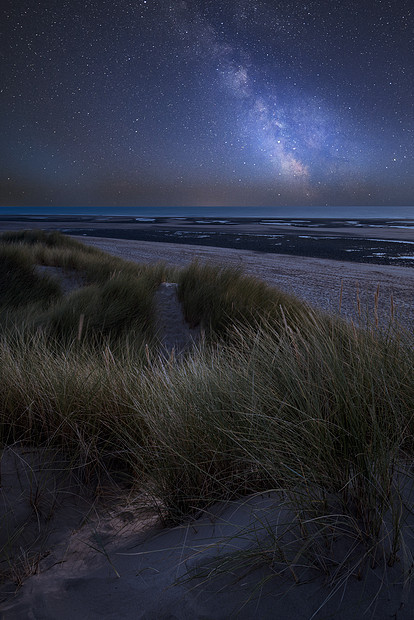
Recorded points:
(227, 212)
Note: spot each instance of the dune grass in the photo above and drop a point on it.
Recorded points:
(116, 301)
(19, 284)
(276, 397)
(217, 297)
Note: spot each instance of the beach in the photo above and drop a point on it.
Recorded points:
(302, 257)
(118, 561)
(382, 242)
(316, 281)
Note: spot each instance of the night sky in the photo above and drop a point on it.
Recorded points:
(255, 102)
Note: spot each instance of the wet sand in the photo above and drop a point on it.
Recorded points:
(382, 242)
(236, 225)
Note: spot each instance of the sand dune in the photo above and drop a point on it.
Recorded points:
(315, 280)
(120, 564)
(117, 563)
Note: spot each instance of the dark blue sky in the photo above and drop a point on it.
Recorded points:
(212, 103)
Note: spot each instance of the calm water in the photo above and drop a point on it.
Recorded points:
(261, 212)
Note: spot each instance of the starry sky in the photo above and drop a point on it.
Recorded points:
(207, 103)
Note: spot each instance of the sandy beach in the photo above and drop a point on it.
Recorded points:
(316, 281)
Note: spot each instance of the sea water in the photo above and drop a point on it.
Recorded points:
(339, 213)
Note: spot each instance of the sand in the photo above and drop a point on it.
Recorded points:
(315, 280)
(175, 334)
(113, 561)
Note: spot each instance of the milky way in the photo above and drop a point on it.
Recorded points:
(207, 103)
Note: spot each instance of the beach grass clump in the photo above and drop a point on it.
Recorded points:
(49, 239)
(217, 297)
(276, 398)
(119, 306)
(20, 284)
(73, 399)
(335, 417)
(57, 250)
(119, 298)
(327, 420)
(188, 454)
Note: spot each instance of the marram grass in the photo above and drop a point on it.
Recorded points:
(276, 397)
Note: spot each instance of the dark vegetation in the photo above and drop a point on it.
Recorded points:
(276, 397)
